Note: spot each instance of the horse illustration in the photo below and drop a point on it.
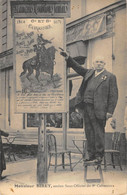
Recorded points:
(44, 61)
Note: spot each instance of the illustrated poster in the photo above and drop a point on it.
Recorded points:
(39, 67)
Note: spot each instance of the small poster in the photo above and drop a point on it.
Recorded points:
(39, 67)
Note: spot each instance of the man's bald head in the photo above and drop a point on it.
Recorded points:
(99, 63)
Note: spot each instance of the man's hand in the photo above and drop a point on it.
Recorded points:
(108, 115)
(63, 53)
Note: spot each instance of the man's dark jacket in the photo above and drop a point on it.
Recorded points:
(105, 94)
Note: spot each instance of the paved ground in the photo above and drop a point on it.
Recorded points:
(20, 178)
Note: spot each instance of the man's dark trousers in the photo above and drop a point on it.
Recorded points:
(95, 132)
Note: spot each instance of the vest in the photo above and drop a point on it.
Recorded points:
(91, 85)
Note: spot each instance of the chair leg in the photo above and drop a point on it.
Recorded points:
(85, 173)
(112, 158)
(9, 156)
(63, 161)
(14, 157)
(55, 162)
(49, 161)
(11, 153)
(105, 165)
(119, 161)
(70, 161)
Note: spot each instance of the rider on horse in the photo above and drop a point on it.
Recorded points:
(40, 50)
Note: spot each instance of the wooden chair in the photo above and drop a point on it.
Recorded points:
(53, 151)
(114, 151)
(8, 148)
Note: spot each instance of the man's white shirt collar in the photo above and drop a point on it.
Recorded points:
(97, 73)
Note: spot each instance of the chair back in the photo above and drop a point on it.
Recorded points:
(116, 140)
(51, 142)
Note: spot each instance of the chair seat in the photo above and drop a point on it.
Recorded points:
(90, 163)
(60, 152)
(110, 151)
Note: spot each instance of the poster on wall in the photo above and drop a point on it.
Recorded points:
(39, 67)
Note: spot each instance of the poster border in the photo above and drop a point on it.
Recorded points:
(65, 83)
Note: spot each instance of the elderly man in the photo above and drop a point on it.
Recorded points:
(97, 97)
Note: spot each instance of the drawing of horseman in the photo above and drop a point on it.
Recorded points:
(40, 50)
(44, 60)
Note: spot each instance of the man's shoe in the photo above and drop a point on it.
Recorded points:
(90, 159)
(98, 159)
(2, 177)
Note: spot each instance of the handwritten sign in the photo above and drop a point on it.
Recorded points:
(39, 67)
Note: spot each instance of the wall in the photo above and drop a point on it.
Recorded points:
(92, 5)
(8, 119)
(76, 10)
(120, 65)
(80, 8)
(100, 47)
(16, 120)
(9, 28)
(2, 100)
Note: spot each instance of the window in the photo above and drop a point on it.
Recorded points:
(75, 118)
(53, 120)
(32, 120)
